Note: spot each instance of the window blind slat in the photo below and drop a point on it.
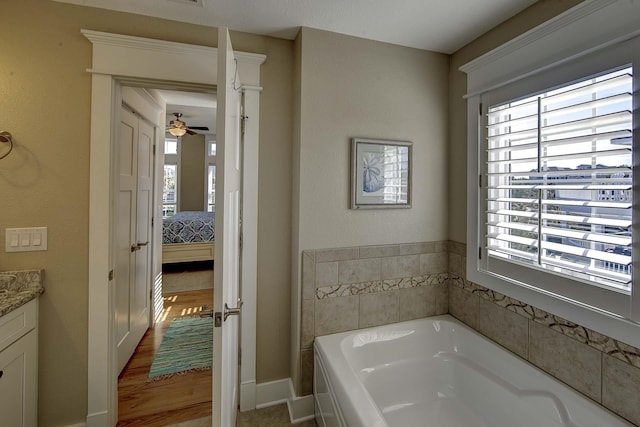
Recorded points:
(577, 219)
(586, 236)
(565, 187)
(563, 248)
(585, 203)
(601, 136)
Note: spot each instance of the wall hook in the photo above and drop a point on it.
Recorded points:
(6, 138)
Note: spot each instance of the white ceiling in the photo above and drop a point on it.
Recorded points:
(437, 25)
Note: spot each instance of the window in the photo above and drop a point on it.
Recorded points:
(170, 181)
(552, 126)
(559, 185)
(210, 176)
(211, 188)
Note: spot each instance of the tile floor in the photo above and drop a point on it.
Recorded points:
(273, 416)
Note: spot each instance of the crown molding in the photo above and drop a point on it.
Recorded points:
(589, 26)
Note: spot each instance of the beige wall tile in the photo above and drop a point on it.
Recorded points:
(340, 254)
(417, 302)
(574, 363)
(379, 251)
(456, 265)
(399, 267)
(308, 328)
(463, 305)
(336, 315)
(417, 248)
(306, 371)
(379, 308)
(326, 274)
(308, 274)
(358, 271)
(442, 298)
(434, 263)
(504, 327)
(457, 248)
(621, 388)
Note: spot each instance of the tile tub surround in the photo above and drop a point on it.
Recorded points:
(602, 368)
(27, 285)
(352, 288)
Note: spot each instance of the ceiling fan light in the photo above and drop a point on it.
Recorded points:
(177, 131)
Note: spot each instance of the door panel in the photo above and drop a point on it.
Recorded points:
(134, 204)
(228, 211)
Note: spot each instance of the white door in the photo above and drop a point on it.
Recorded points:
(134, 204)
(227, 263)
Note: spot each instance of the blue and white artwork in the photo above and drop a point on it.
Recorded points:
(373, 172)
(380, 173)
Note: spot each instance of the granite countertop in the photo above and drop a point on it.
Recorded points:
(18, 288)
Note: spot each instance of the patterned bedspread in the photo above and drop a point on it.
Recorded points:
(188, 227)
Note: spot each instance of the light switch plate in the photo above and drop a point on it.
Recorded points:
(25, 239)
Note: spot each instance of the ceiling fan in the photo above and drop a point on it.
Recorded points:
(178, 128)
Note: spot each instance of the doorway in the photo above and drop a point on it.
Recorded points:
(137, 61)
(185, 292)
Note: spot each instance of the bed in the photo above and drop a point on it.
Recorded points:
(188, 236)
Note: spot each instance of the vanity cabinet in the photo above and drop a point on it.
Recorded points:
(19, 366)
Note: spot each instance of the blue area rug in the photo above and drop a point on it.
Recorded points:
(186, 346)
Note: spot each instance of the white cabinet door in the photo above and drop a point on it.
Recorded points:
(18, 377)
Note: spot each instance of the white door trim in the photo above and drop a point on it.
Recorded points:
(117, 57)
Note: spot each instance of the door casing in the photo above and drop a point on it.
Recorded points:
(133, 61)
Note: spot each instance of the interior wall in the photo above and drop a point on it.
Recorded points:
(353, 87)
(45, 99)
(539, 12)
(192, 173)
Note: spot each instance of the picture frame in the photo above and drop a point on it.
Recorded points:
(380, 173)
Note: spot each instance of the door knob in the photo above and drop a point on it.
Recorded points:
(228, 311)
(138, 246)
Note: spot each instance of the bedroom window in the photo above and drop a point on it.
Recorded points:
(210, 176)
(211, 188)
(170, 181)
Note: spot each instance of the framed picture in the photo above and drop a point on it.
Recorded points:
(380, 173)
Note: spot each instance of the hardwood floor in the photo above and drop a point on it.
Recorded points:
(159, 403)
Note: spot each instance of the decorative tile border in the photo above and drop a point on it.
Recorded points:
(603, 343)
(380, 286)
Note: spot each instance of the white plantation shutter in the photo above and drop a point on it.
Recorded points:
(559, 180)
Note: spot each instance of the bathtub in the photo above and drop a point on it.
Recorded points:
(437, 372)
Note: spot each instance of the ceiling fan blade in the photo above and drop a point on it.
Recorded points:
(190, 132)
(199, 127)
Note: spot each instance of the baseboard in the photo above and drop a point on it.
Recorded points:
(281, 391)
(272, 393)
(77, 425)
(300, 408)
(98, 419)
(247, 396)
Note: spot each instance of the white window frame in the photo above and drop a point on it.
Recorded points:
(593, 37)
(209, 160)
(174, 159)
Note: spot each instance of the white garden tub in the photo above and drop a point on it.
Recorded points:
(437, 372)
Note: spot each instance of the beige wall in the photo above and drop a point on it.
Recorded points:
(45, 95)
(355, 87)
(192, 173)
(539, 12)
